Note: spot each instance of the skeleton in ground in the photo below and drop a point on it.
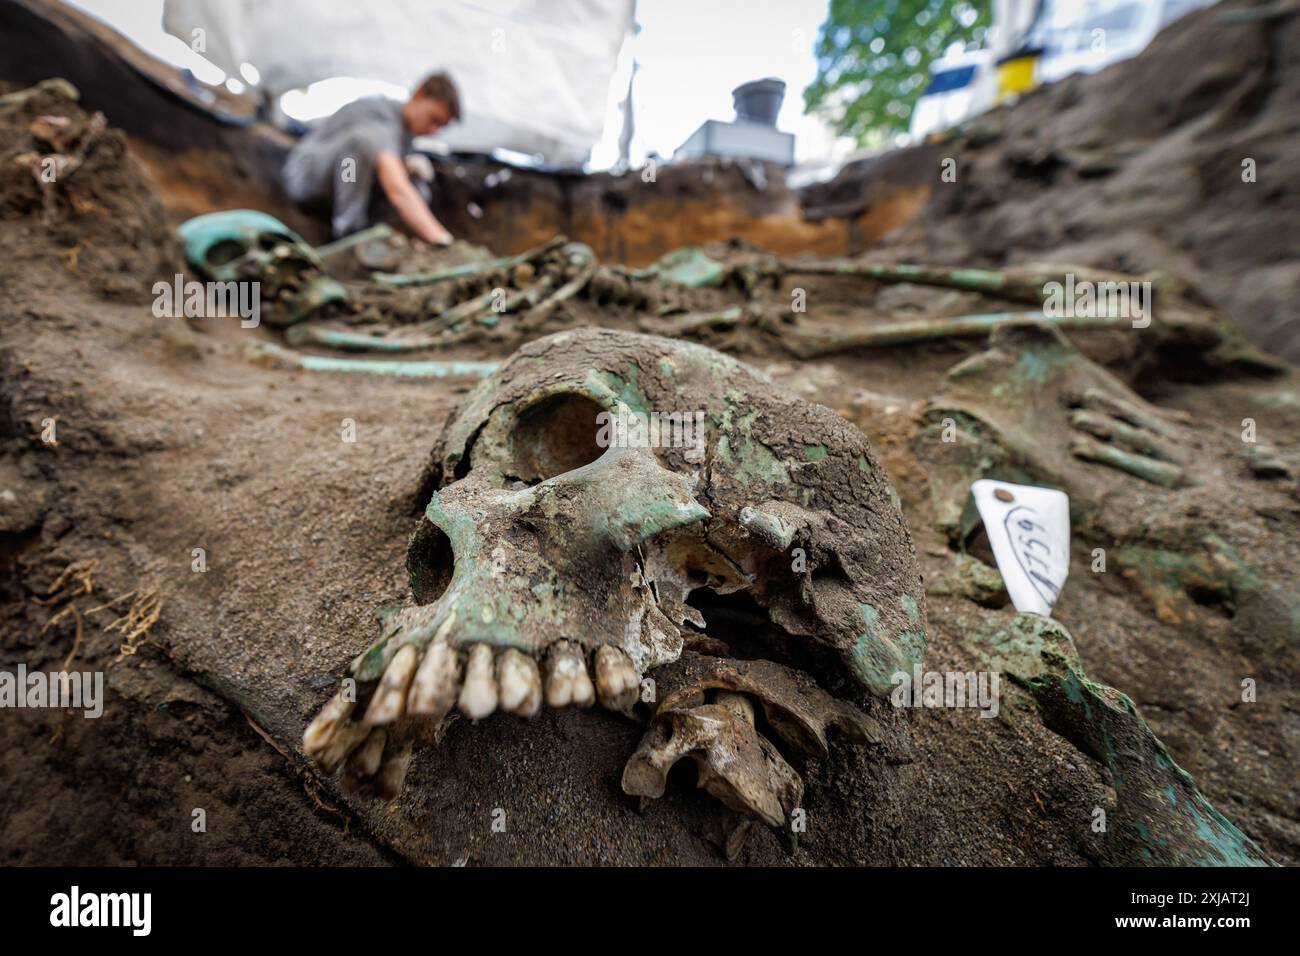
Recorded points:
(550, 570)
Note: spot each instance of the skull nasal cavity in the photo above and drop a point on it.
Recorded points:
(556, 435)
(429, 562)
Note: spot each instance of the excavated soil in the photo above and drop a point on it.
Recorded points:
(169, 439)
(1182, 159)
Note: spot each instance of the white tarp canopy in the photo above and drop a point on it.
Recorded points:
(533, 74)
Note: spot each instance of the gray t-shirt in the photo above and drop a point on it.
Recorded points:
(359, 131)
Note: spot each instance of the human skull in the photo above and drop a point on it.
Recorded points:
(560, 530)
(244, 245)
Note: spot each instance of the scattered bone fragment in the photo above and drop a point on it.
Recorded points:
(276, 356)
(734, 764)
(56, 85)
(707, 713)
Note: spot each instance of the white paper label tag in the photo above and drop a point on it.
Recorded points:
(1029, 528)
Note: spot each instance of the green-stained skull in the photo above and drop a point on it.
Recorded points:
(244, 245)
(564, 556)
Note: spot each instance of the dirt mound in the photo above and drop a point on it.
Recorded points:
(84, 206)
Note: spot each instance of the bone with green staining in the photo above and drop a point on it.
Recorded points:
(1022, 284)
(346, 341)
(686, 266)
(890, 334)
(878, 655)
(244, 245)
(1111, 429)
(1033, 409)
(480, 308)
(769, 526)
(584, 264)
(692, 323)
(470, 268)
(1188, 569)
(268, 353)
(970, 578)
(1160, 816)
(379, 232)
(1121, 405)
(1140, 466)
(554, 567)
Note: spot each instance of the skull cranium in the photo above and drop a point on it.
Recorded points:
(244, 245)
(551, 539)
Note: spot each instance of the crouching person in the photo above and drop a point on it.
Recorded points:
(356, 157)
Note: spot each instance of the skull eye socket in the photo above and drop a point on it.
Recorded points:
(267, 241)
(556, 435)
(224, 252)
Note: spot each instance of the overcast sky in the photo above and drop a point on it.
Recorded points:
(690, 55)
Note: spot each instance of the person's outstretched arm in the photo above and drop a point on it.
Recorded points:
(406, 199)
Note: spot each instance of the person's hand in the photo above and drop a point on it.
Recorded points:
(434, 234)
(420, 167)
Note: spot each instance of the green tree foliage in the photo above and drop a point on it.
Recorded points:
(873, 59)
